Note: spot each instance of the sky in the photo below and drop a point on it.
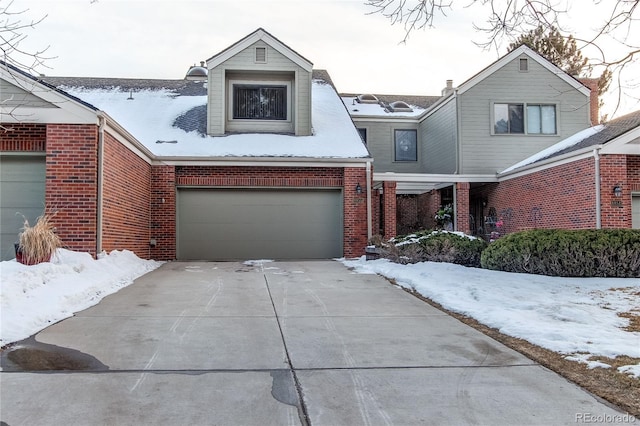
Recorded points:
(362, 51)
(577, 317)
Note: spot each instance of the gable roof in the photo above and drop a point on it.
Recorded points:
(168, 117)
(523, 49)
(257, 35)
(58, 106)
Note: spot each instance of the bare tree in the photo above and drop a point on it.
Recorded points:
(505, 20)
(13, 27)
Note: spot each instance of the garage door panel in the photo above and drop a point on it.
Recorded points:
(22, 186)
(251, 224)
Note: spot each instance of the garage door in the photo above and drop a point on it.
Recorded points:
(635, 211)
(21, 191)
(259, 224)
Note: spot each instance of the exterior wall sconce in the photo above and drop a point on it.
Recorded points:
(617, 191)
(358, 188)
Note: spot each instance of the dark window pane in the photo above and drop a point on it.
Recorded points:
(516, 118)
(363, 135)
(259, 102)
(406, 144)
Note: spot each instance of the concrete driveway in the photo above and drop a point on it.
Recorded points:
(284, 343)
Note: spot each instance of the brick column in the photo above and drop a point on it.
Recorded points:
(163, 212)
(462, 207)
(355, 212)
(389, 194)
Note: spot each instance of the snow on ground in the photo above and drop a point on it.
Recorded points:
(577, 317)
(34, 297)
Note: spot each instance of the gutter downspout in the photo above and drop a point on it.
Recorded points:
(457, 170)
(596, 157)
(369, 214)
(101, 125)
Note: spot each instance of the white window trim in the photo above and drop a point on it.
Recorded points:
(286, 83)
(526, 124)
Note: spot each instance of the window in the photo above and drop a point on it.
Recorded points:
(524, 64)
(363, 134)
(511, 119)
(259, 102)
(541, 119)
(406, 145)
(261, 55)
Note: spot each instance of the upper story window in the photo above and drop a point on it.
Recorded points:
(259, 102)
(524, 119)
(406, 145)
(363, 134)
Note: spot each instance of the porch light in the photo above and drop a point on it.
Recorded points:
(617, 191)
(358, 188)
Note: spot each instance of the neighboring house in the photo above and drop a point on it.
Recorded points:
(455, 151)
(254, 155)
(251, 156)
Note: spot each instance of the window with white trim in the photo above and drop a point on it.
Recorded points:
(520, 118)
(259, 102)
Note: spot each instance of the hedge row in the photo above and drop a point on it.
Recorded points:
(564, 253)
(436, 246)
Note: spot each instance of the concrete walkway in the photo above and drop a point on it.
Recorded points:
(284, 343)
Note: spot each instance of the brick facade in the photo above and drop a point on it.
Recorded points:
(71, 186)
(390, 209)
(616, 211)
(24, 137)
(163, 212)
(462, 207)
(126, 199)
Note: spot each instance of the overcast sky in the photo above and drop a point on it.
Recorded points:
(161, 39)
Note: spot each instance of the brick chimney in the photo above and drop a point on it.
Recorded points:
(594, 111)
(448, 89)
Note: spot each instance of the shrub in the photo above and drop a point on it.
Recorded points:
(435, 246)
(567, 253)
(37, 243)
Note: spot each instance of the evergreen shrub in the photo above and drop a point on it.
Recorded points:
(567, 253)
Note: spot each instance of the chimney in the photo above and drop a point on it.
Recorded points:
(594, 110)
(449, 89)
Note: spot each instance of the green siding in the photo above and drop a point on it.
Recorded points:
(439, 133)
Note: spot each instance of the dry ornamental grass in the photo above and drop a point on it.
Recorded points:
(37, 243)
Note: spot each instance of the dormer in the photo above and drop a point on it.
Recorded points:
(259, 85)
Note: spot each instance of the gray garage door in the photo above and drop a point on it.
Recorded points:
(635, 209)
(21, 191)
(259, 224)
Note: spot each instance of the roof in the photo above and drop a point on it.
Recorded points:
(595, 136)
(265, 36)
(523, 49)
(169, 118)
(418, 103)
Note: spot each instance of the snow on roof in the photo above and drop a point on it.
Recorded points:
(563, 144)
(150, 116)
(377, 110)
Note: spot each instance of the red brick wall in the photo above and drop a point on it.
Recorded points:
(355, 212)
(406, 214)
(163, 212)
(389, 203)
(462, 207)
(559, 197)
(616, 211)
(126, 199)
(27, 137)
(72, 183)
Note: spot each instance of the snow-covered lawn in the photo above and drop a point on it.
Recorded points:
(34, 297)
(576, 317)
